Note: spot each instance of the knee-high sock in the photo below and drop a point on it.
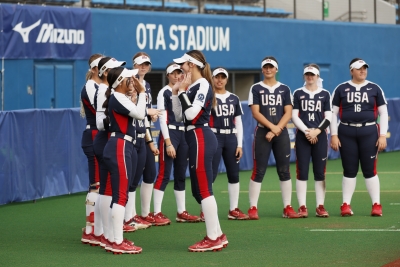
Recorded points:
(180, 198)
(98, 226)
(286, 188)
(118, 213)
(210, 210)
(320, 190)
(301, 191)
(105, 202)
(110, 226)
(158, 196)
(233, 191)
(348, 188)
(373, 187)
(254, 193)
(145, 198)
(129, 206)
(90, 204)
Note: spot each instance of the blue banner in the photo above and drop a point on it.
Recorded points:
(43, 32)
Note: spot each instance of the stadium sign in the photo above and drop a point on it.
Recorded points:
(45, 32)
(182, 37)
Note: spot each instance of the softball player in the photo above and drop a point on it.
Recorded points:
(271, 106)
(142, 136)
(141, 61)
(194, 108)
(102, 233)
(88, 95)
(119, 151)
(226, 123)
(311, 115)
(359, 139)
(173, 150)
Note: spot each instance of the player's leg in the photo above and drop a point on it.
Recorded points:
(202, 146)
(232, 171)
(180, 166)
(146, 189)
(367, 137)
(281, 149)
(261, 152)
(131, 203)
(303, 153)
(350, 157)
(319, 156)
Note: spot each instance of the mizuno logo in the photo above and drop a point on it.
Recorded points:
(25, 31)
(369, 89)
(281, 91)
(324, 159)
(288, 155)
(49, 34)
(321, 97)
(230, 100)
(372, 157)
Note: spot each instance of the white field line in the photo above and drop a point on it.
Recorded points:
(395, 204)
(378, 173)
(328, 191)
(355, 230)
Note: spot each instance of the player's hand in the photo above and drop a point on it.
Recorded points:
(187, 80)
(171, 151)
(269, 136)
(175, 87)
(153, 149)
(153, 112)
(276, 130)
(381, 143)
(138, 85)
(312, 133)
(154, 118)
(335, 142)
(314, 140)
(239, 153)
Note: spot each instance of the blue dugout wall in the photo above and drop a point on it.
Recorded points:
(235, 42)
(41, 155)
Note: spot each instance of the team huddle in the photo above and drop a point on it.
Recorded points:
(200, 123)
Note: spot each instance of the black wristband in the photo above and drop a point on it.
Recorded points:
(324, 124)
(185, 102)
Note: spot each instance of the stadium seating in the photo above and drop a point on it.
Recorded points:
(244, 10)
(146, 5)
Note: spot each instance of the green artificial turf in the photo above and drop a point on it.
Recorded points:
(48, 232)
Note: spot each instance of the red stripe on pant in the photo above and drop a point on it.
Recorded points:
(200, 168)
(108, 189)
(161, 171)
(253, 174)
(123, 176)
(96, 164)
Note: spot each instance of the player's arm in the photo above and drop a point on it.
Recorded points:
(383, 127)
(287, 115)
(335, 142)
(239, 136)
(259, 117)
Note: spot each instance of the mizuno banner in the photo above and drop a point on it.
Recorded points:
(43, 32)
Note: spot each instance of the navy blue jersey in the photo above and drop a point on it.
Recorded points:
(223, 115)
(164, 102)
(311, 105)
(200, 93)
(148, 94)
(88, 97)
(119, 107)
(271, 100)
(358, 103)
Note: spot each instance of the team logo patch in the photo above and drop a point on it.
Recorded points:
(262, 91)
(347, 89)
(200, 97)
(301, 97)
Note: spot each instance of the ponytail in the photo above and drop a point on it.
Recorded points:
(89, 75)
(105, 104)
(207, 74)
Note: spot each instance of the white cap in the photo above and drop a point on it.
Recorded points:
(95, 62)
(269, 61)
(110, 64)
(311, 69)
(173, 67)
(358, 64)
(141, 59)
(186, 57)
(124, 74)
(220, 70)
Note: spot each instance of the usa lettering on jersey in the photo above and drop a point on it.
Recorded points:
(271, 100)
(311, 105)
(357, 97)
(224, 110)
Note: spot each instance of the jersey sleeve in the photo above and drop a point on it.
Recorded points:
(288, 98)
(238, 108)
(296, 100)
(380, 98)
(201, 94)
(254, 96)
(327, 103)
(336, 97)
